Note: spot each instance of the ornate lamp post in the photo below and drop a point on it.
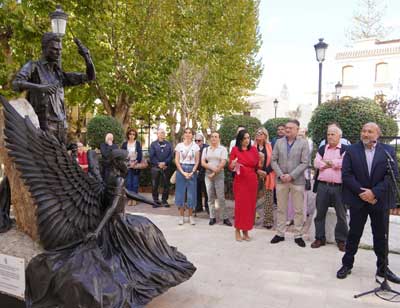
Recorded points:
(338, 89)
(59, 21)
(320, 50)
(276, 102)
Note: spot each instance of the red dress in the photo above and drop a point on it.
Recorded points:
(245, 187)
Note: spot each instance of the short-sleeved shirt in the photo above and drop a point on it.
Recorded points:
(187, 153)
(215, 156)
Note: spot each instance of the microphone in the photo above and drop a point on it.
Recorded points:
(389, 157)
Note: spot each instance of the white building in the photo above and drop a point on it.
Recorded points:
(369, 68)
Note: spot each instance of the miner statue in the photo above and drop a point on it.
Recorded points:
(44, 82)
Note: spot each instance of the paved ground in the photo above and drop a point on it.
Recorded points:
(258, 274)
(248, 274)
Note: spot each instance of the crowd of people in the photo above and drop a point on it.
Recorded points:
(277, 172)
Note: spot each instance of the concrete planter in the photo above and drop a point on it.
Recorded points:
(366, 239)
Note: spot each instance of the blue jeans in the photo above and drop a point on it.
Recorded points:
(132, 181)
(186, 185)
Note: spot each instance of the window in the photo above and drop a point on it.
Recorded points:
(382, 73)
(347, 75)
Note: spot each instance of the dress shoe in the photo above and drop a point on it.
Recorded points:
(392, 277)
(227, 222)
(212, 221)
(299, 241)
(343, 272)
(165, 204)
(277, 239)
(318, 243)
(156, 205)
(341, 245)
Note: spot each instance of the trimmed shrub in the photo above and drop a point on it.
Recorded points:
(101, 125)
(350, 114)
(229, 126)
(272, 124)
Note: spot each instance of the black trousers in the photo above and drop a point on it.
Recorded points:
(201, 190)
(358, 218)
(159, 175)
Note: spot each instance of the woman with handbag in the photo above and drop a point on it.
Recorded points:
(132, 145)
(266, 176)
(187, 160)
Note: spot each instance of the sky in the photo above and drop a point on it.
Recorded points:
(289, 30)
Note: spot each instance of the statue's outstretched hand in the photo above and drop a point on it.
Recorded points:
(82, 49)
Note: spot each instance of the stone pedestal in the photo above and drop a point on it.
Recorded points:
(366, 239)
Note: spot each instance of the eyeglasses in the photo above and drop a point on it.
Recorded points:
(198, 140)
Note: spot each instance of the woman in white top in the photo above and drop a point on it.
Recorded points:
(186, 160)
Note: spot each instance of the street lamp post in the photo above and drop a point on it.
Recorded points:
(276, 102)
(338, 89)
(320, 50)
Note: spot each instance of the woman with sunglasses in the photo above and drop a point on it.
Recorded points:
(132, 145)
(266, 176)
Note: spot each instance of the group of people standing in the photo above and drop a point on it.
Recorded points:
(346, 177)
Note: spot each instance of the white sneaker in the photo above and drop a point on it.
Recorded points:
(191, 220)
(180, 221)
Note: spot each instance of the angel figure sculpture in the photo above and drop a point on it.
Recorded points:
(96, 255)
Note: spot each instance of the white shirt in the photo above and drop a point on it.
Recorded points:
(131, 151)
(187, 153)
(369, 155)
(215, 156)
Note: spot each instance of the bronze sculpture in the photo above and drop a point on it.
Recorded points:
(97, 256)
(44, 81)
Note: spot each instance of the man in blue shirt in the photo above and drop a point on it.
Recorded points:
(160, 159)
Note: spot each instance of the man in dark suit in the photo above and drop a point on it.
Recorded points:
(366, 189)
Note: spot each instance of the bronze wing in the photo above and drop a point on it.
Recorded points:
(68, 200)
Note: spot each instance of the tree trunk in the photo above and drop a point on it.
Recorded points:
(21, 200)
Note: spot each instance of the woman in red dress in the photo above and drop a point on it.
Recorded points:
(244, 160)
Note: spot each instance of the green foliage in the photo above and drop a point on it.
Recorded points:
(351, 114)
(230, 123)
(101, 125)
(137, 45)
(272, 124)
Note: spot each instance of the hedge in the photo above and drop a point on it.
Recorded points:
(230, 123)
(272, 124)
(101, 125)
(351, 115)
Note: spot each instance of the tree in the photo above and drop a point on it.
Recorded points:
(351, 115)
(368, 21)
(138, 45)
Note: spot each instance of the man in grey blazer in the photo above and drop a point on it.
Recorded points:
(290, 159)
